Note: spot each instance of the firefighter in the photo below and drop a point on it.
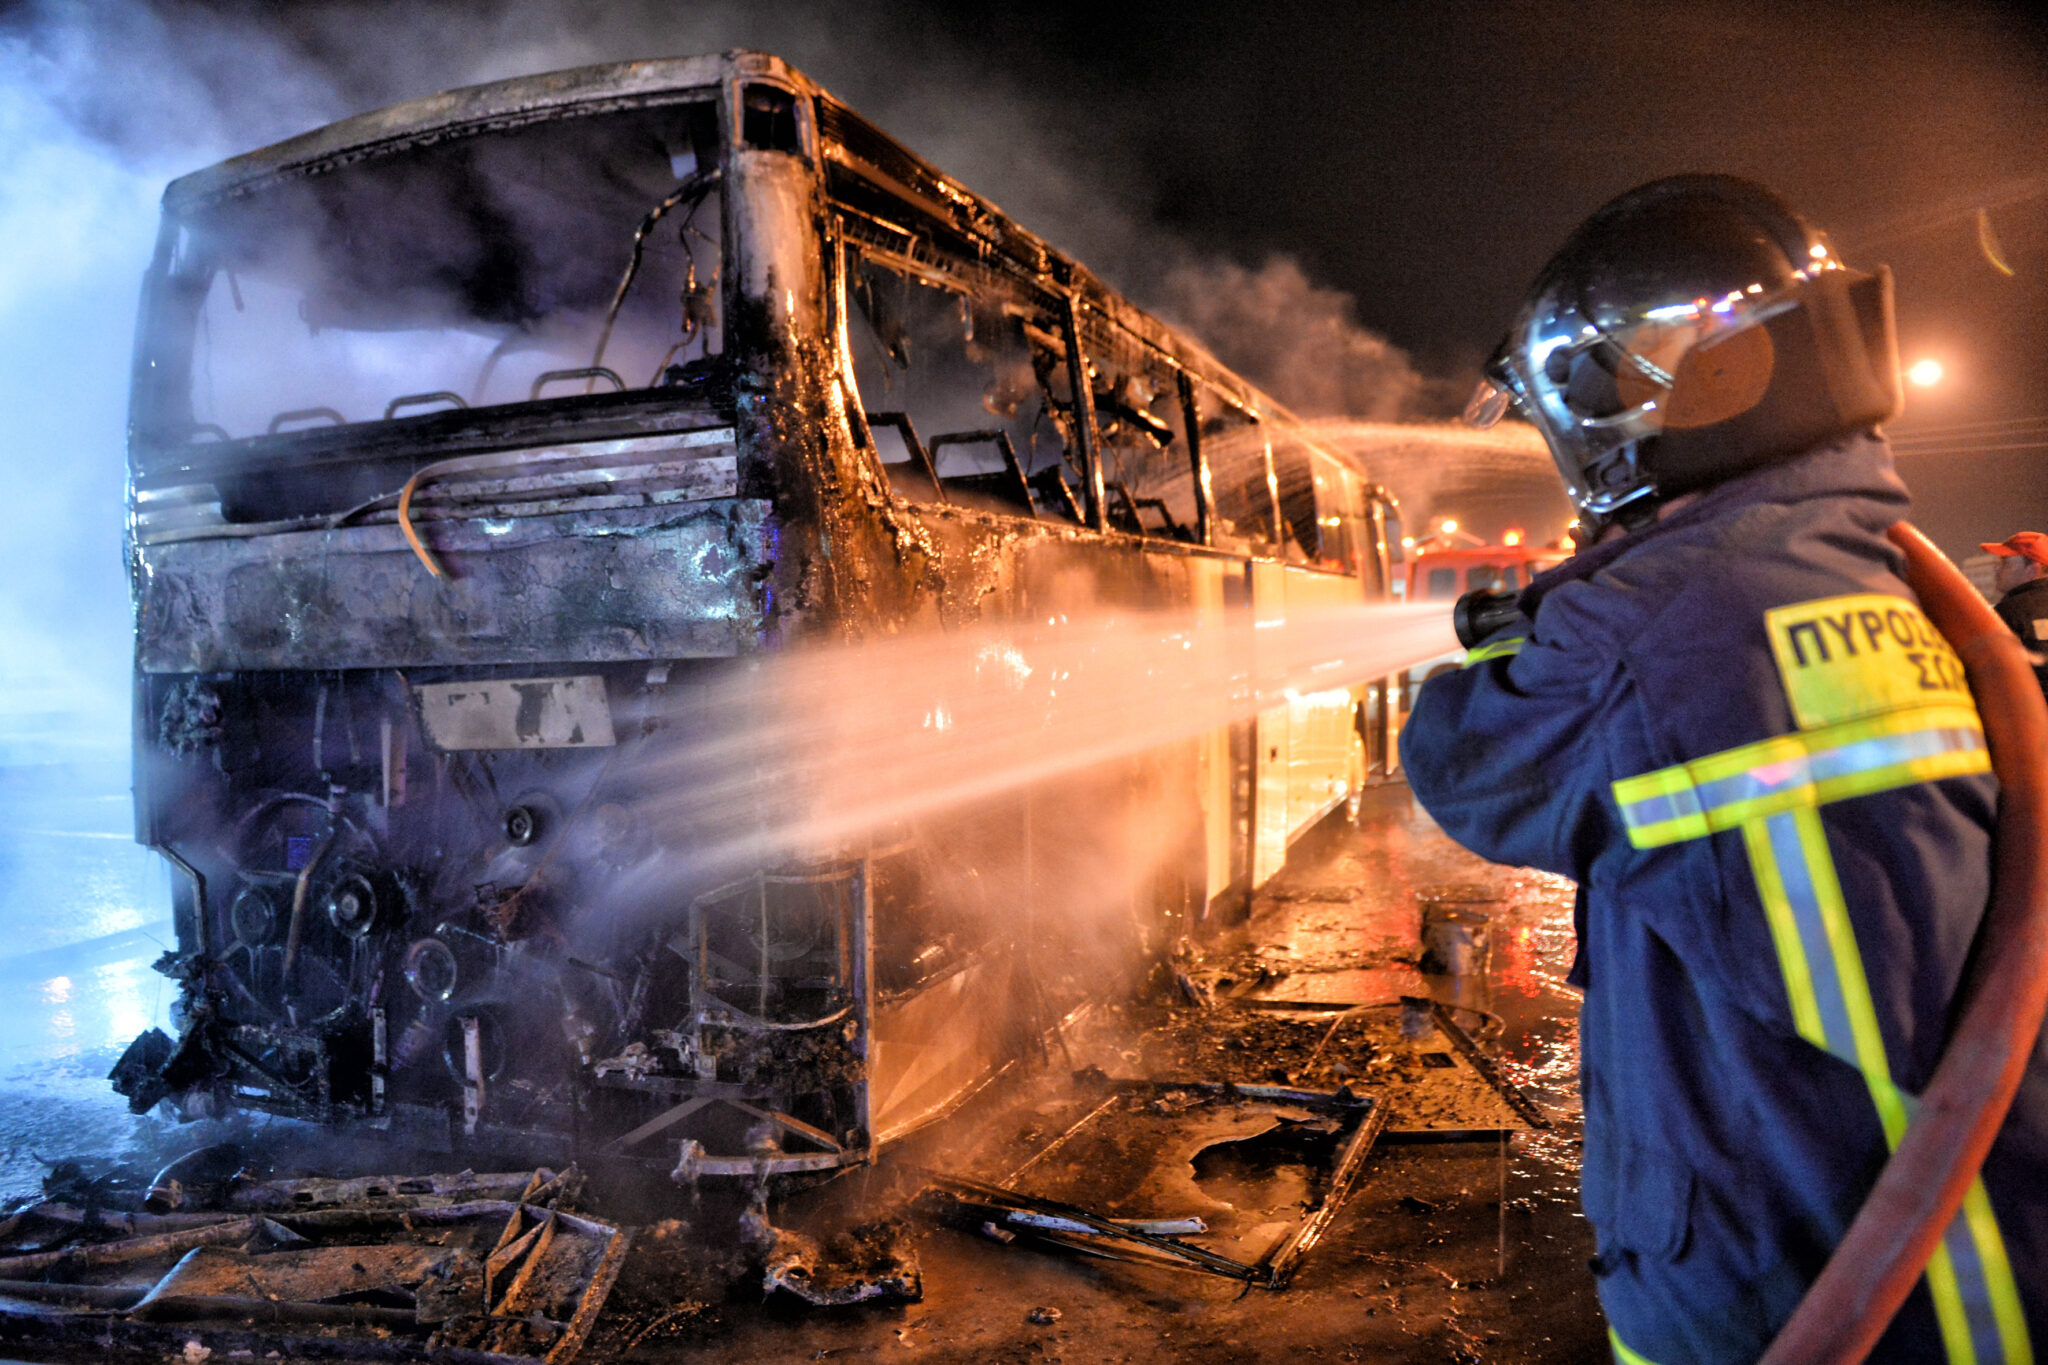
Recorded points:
(1727, 719)
(2023, 579)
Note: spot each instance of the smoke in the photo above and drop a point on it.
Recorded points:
(1300, 341)
(99, 106)
(75, 221)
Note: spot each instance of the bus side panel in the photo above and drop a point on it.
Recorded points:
(1322, 735)
(1038, 900)
(931, 1049)
(1218, 590)
(1272, 751)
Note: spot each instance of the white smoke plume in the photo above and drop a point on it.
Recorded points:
(75, 224)
(1301, 341)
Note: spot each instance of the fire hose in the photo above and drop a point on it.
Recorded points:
(1916, 1197)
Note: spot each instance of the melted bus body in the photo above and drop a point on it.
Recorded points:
(471, 436)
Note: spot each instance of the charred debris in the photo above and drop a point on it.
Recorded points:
(1235, 1177)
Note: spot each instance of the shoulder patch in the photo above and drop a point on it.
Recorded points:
(1863, 654)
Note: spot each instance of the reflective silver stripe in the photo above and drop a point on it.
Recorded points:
(1795, 874)
(1861, 757)
(1973, 1287)
(1790, 774)
(1655, 810)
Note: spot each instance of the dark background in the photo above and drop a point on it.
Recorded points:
(1344, 201)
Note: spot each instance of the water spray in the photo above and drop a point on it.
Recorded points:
(816, 747)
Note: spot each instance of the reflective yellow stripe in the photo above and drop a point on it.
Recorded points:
(1785, 935)
(2010, 1317)
(1499, 649)
(1957, 1342)
(1623, 1354)
(1811, 768)
(1869, 1055)
(1976, 1303)
(1771, 791)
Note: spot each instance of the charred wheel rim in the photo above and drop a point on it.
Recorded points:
(352, 905)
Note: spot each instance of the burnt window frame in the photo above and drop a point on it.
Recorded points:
(856, 228)
(868, 176)
(165, 324)
(1110, 331)
(1290, 468)
(1268, 546)
(764, 129)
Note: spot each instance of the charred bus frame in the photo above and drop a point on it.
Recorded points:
(386, 666)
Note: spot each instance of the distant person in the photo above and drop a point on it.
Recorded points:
(2023, 578)
(1728, 720)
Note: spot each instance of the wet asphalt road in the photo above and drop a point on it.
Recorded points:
(83, 913)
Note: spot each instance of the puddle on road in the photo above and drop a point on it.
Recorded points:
(1344, 924)
(86, 911)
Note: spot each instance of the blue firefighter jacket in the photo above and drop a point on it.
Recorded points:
(1739, 735)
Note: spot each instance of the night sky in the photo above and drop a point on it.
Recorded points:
(1345, 201)
(1427, 159)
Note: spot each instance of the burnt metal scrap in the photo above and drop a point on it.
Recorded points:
(1003, 1214)
(1441, 1084)
(1138, 1134)
(1514, 1095)
(870, 1263)
(370, 1268)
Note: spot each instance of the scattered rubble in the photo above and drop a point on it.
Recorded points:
(1236, 1177)
(871, 1263)
(365, 1266)
(1128, 1185)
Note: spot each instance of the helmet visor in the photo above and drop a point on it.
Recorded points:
(1488, 404)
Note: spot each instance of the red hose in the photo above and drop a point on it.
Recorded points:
(1917, 1195)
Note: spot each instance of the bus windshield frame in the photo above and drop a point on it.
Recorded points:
(483, 271)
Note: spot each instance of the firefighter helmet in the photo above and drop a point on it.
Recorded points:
(1691, 329)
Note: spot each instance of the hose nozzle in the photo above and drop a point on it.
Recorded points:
(1481, 612)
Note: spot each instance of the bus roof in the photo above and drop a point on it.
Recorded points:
(471, 108)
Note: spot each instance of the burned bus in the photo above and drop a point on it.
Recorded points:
(473, 438)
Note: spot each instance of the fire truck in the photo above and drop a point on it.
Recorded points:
(1450, 562)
